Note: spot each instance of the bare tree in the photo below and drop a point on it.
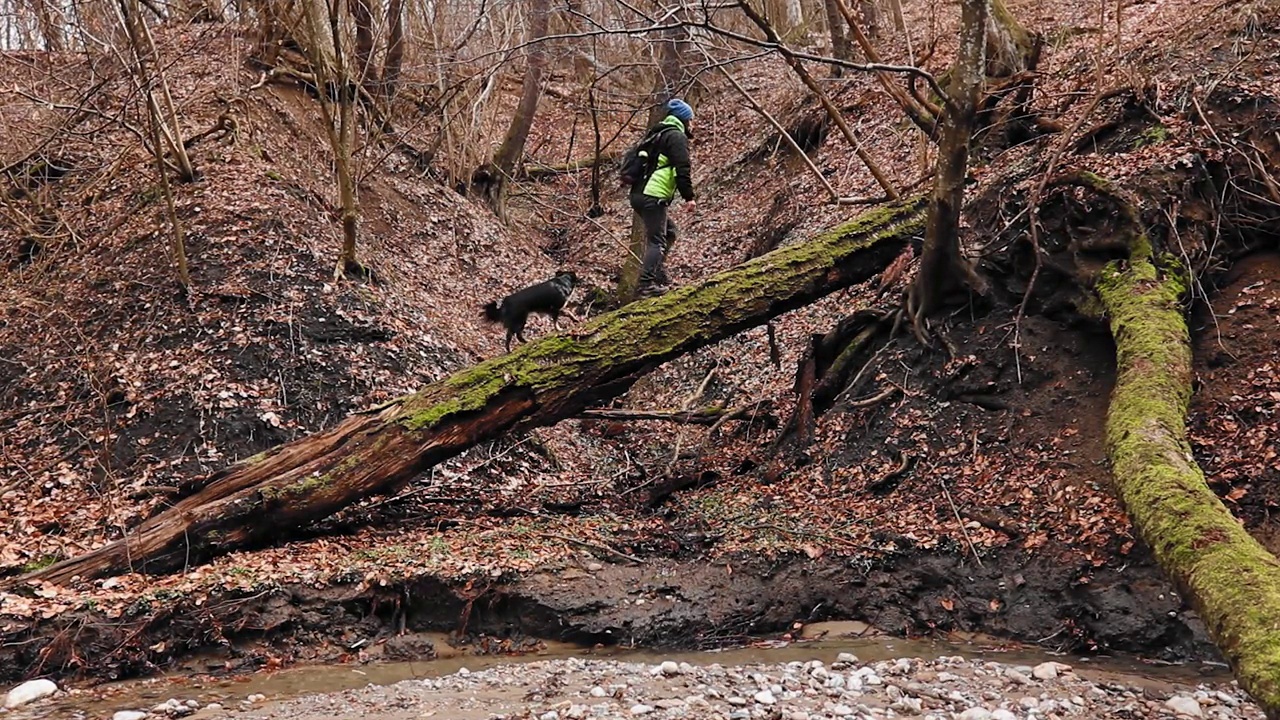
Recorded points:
(336, 91)
(942, 265)
(492, 178)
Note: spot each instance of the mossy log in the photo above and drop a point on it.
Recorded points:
(538, 171)
(1233, 582)
(263, 499)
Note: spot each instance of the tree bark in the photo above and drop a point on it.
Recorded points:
(362, 18)
(942, 267)
(503, 166)
(1232, 581)
(839, 43)
(1010, 46)
(394, 62)
(261, 499)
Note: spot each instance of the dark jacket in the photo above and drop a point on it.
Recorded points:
(673, 172)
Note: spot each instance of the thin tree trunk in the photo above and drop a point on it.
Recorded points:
(143, 49)
(1232, 581)
(50, 28)
(504, 163)
(362, 17)
(832, 110)
(266, 497)
(870, 16)
(394, 62)
(942, 266)
(839, 43)
(899, 21)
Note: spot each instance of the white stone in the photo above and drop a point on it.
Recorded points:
(29, 692)
(213, 707)
(576, 712)
(1029, 703)
(1049, 670)
(669, 703)
(597, 692)
(845, 657)
(842, 711)
(669, 668)
(975, 714)
(1184, 706)
(550, 715)
(1017, 678)
(129, 715)
(641, 709)
(1003, 714)
(764, 697)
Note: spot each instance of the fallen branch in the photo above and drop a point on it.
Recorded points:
(538, 171)
(1232, 581)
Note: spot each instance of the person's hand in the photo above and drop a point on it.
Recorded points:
(691, 206)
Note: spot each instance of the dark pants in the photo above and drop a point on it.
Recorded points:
(659, 236)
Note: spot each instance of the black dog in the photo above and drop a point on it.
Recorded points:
(546, 297)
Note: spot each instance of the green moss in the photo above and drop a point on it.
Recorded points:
(39, 564)
(273, 175)
(648, 331)
(1232, 580)
(1153, 135)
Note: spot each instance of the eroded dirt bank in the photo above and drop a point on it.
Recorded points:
(660, 604)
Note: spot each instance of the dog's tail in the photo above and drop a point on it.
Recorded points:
(492, 313)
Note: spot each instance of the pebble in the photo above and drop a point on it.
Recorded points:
(928, 689)
(29, 692)
(129, 715)
(1049, 670)
(1184, 706)
(845, 657)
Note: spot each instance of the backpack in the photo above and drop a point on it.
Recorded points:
(640, 162)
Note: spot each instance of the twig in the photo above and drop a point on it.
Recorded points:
(959, 520)
(705, 416)
(594, 546)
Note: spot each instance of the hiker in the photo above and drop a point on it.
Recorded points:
(652, 194)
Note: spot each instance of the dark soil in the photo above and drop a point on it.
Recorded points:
(661, 604)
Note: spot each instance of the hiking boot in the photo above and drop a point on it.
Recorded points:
(652, 289)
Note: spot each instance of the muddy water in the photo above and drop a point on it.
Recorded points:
(823, 641)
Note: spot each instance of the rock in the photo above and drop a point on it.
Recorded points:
(764, 697)
(1049, 670)
(129, 715)
(1184, 706)
(1029, 703)
(735, 700)
(214, 707)
(975, 714)
(29, 692)
(1017, 678)
(669, 668)
(641, 709)
(598, 692)
(669, 703)
(1003, 714)
(842, 711)
(687, 669)
(845, 657)
(909, 705)
(576, 712)
(740, 715)
(551, 715)
(594, 567)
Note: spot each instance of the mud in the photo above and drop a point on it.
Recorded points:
(661, 604)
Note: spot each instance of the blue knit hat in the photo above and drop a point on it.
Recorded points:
(681, 109)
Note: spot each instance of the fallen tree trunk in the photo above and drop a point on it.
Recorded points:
(260, 499)
(538, 171)
(1233, 582)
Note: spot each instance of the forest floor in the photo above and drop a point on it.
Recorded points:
(924, 512)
